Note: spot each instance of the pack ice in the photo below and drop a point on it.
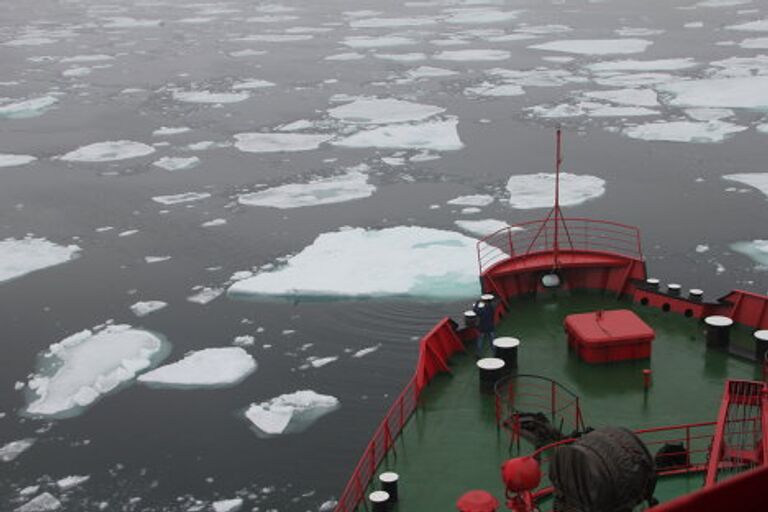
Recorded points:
(75, 372)
(335, 189)
(109, 151)
(290, 413)
(410, 261)
(210, 367)
(528, 191)
(19, 257)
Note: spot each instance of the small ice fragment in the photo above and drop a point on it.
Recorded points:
(146, 307)
(72, 481)
(595, 46)
(109, 151)
(365, 351)
(177, 163)
(472, 200)
(10, 160)
(246, 340)
(702, 248)
(290, 413)
(185, 197)
(214, 223)
(129, 232)
(232, 505)
(45, 502)
(169, 130)
(210, 97)
(205, 295)
(156, 259)
(11, 450)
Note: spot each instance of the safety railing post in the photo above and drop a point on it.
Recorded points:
(552, 398)
(688, 447)
(509, 239)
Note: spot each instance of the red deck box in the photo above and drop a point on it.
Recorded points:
(607, 336)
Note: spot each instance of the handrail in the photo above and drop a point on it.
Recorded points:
(537, 236)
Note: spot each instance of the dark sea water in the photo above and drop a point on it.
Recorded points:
(149, 449)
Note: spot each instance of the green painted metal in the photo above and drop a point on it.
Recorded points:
(452, 444)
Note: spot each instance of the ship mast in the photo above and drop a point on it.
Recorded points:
(556, 209)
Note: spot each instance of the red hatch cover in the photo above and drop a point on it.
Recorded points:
(605, 336)
(477, 501)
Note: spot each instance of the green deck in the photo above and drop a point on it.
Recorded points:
(452, 445)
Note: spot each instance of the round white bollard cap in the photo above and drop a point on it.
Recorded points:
(490, 363)
(550, 280)
(389, 477)
(652, 280)
(761, 335)
(673, 286)
(379, 497)
(487, 297)
(718, 321)
(696, 292)
(470, 313)
(506, 342)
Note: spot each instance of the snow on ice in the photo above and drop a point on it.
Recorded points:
(19, 257)
(206, 368)
(290, 413)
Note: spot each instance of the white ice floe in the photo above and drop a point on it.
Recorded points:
(538, 77)
(757, 250)
(246, 340)
(383, 111)
(472, 200)
(721, 3)
(205, 294)
(210, 96)
(755, 43)
(345, 56)
(10, 451)
(758, 180)
(71, 481)
(231, 505)
(702, 248)
(128, 22)
(482, 227)
(19, 257)
(252, 83)
(683, 131)
(401, 57)
(275, 38)
(751, 26)
(709, 114)
(363, 42)
(639, 97)
(365, 351)
(143, 308)
(411, 261)
(213, 223)
(185, 197)
(177, 163)
(415, 21)
(170, 130)
(99, 57)
(127, 232)
(528, 191)
(494, 90)
(83, 367)
(612, 79)
(109, 151)
(637, 31)
(587, 108)
(595, 46)
(319, 362)
(643, 65)
(738, 92)
(335, 189)
(10, 160)
(273, 142)
(26, 108)
(480, 15)
(206, 368)
(438, 135)
(290, 413)
(77, 72)
(156, 259)
(473, 55)
(428, 72)
(45, 502)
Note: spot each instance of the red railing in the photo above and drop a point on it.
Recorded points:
(574, 234)
(434, 350)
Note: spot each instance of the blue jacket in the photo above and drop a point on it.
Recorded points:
(485, 316)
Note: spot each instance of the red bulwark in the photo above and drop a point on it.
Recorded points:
(606, 336)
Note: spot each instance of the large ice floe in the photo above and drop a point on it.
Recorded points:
(684, 131)
(290, 413)
(273, 142)
(595, 46)
(757, 250)
(75, 372)
(438, 135)
(758, 180)
(19, 257)
(410, 262)
(109, 151)
(206, 368)
(10, 160)
(383, 111)
(335, 189)
(210, 96)
(750, 92)
(10, 451)
(23, 109)
(527, 191)
(45, 502)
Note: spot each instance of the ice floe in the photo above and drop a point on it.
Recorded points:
(252, 83)
(345, 56)
(683, 131)
(709, 114)
(71, 481)
(245, 340)
(178, 163)
(156, 259)
(415, 21)
(290, 413)
(479, 15)
(365, 351)
(758, 180)
(10, 160)
(473, 55)
(83, 367)
(230, 505)
(274, 142)
(643, 65)
(595, 46)
(438, 135)
(411, 261)
(401, 57)
(335, 189)
(472, 200)
(633, 79)
(185, 197)
(210, 96)
(481, 228)
(205, 294)
(213, 223)
(170, 130)
(494, 90)
(757, 250)
(32, 107)
(143, 308)
(19, 257)
(363, 42)
(10, 451)
(206, 368)
(528, 191)
(751, 26)
(428, 72)
(640, 97)
(45, 502)
(737, 92)
(109, 151)
(755, 43)
(383, 111)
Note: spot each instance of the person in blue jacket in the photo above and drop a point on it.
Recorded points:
(484, 312)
